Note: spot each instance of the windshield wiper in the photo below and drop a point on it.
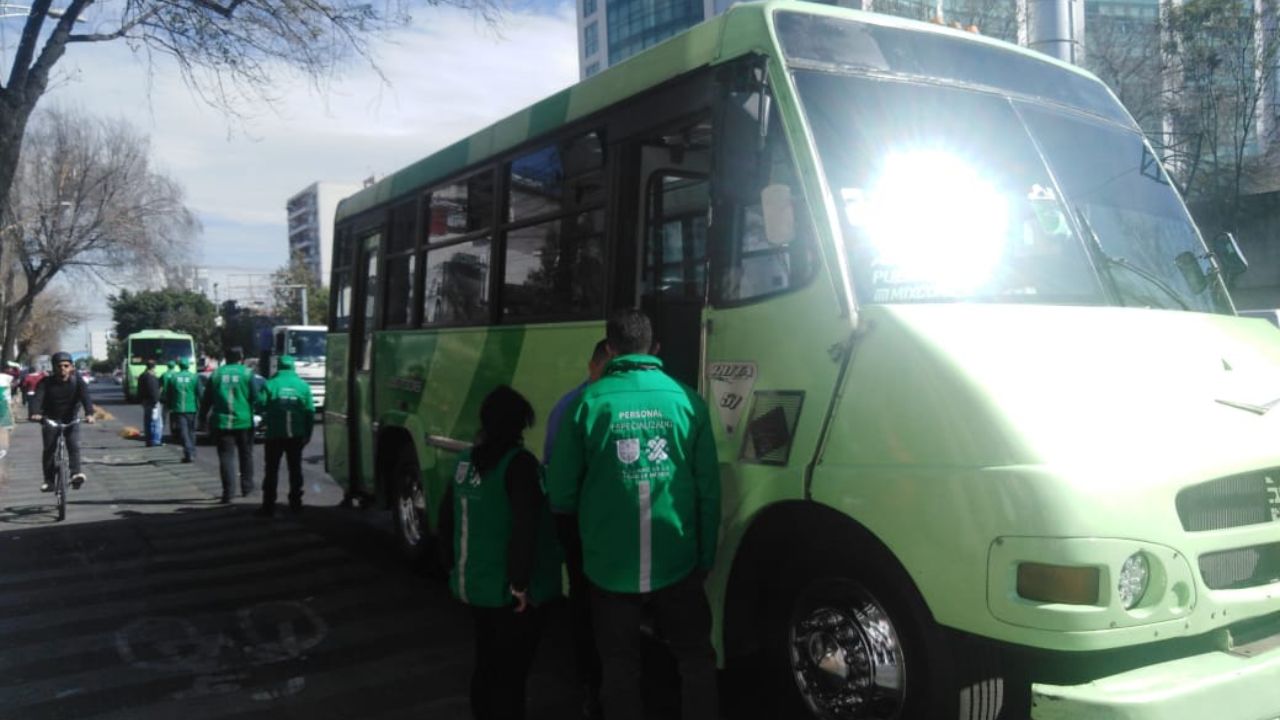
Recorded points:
(1111, 262)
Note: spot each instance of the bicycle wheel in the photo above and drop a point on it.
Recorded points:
(60, 481)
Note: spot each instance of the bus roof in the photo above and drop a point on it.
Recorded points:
(158, 334)
(742, 29)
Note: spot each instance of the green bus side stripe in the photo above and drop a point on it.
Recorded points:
(497, 366)
(549, 114)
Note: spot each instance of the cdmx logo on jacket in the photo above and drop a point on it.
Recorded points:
(1273, 495)
(628, 450)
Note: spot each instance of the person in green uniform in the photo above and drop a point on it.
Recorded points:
(496, 529)
(179, 393)
(635, 460)
(6, 424)
(290, 415)
(171, 366)
(227, 404)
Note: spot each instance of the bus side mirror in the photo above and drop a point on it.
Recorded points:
(1230, 258)
(1192, 273)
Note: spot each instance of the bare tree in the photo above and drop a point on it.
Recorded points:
(52, 314)
(87, 202)
(228, 51)
(1219, 64)
(1123, 50)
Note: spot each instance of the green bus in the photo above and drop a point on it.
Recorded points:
(159, 345)
(993, 441)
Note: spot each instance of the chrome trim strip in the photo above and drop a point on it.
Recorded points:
(447, 443)
(340, 417)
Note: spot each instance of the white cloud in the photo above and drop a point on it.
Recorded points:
(448, 76)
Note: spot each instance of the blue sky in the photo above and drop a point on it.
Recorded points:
(446, 75)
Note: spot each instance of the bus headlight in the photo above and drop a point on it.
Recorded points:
(1135, 574)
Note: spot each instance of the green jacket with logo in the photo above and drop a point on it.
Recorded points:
(178, 391)
(229, 398)
(635, 459)
(482, 532)
(288, 409)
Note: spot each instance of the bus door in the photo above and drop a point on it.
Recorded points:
(675, 201)
(364, 316)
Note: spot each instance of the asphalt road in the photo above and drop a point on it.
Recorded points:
(152, 601)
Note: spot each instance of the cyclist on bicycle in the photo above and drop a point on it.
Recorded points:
(56, 398)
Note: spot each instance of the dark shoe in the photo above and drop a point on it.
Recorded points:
(226, 500)
(77, 480)
(348, 502)
(46, 487)
(295, 508)
(186, 459)
(265, 512)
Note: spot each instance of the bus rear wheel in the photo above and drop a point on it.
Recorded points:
(409, 511)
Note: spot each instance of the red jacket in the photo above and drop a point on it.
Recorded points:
(31, 381)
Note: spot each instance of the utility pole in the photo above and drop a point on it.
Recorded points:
(303, 290)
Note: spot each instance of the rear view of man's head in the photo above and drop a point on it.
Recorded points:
(629, 332)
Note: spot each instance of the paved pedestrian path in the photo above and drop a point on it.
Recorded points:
(153, 601)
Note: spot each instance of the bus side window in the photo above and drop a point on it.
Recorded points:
(342, 300)
(770, 247)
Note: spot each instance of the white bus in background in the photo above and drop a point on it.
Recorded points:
(306, 344)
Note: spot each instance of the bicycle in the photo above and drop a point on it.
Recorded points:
(61, 471)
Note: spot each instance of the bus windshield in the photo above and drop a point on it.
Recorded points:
(306, 345)
(161, 350)
(949, 194)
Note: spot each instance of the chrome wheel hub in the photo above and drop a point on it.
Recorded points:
(412, 508)
(847, 659)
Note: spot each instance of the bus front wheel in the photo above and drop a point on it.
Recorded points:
(851, 639)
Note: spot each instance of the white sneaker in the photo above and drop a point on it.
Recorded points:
(3, 453)
(77, 480)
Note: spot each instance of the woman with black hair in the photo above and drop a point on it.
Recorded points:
(497, 531)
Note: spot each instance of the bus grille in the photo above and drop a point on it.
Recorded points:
(1241, 568)
(1247, 499)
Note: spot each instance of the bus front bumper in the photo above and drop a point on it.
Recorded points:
(1221, 685)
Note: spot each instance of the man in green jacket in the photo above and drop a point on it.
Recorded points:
(171, 366)
(227, 404)
(178, 393)
(289, 414)
(635, 460)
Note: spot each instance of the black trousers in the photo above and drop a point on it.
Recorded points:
(183, 426)
(291, 449)
(50, 437)
(506, 642)
(235, 445)
(585, 655)
(684, 618)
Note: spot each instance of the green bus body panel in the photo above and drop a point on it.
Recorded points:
(337, 446)
(962, 424)
(431, 383)
(785, 361)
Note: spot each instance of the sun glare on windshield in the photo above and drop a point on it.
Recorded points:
(933, 221)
